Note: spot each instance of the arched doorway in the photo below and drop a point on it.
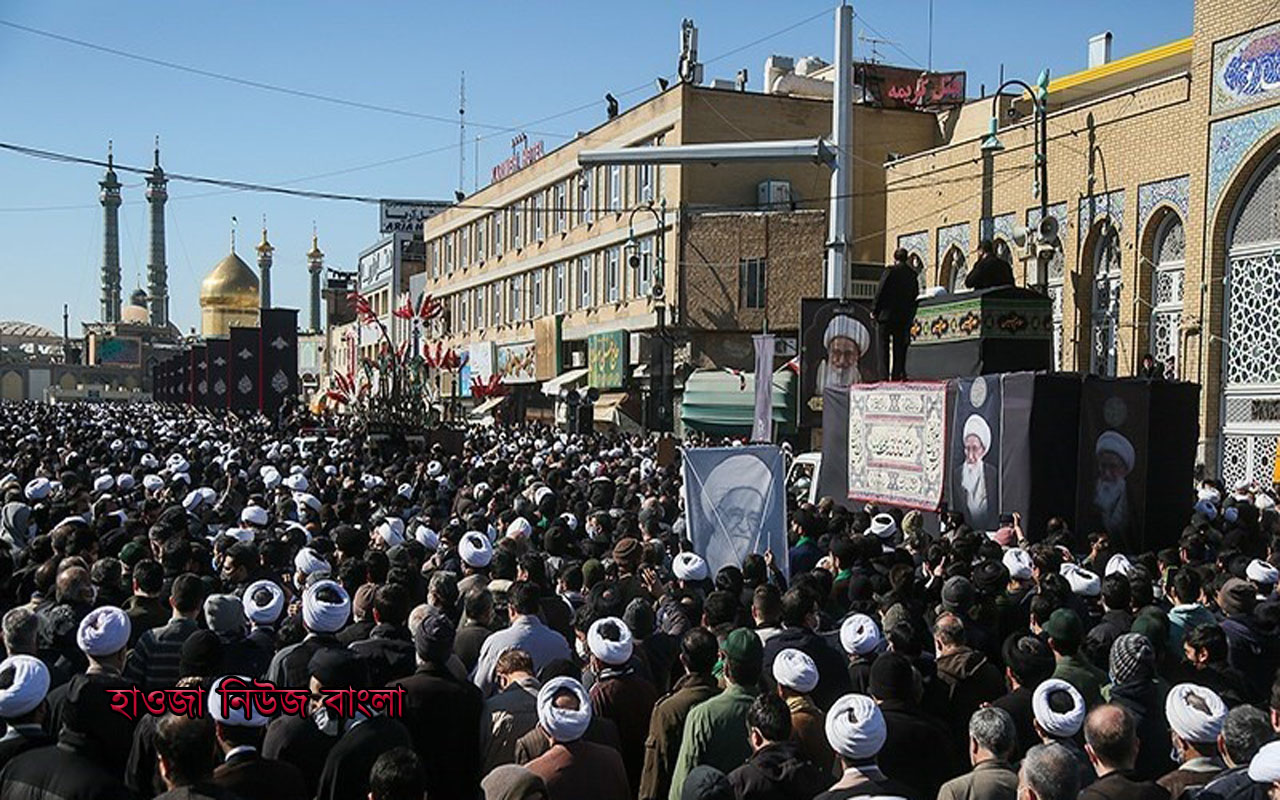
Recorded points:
(1105, 304)
(955, 269)
(1168, 256)
(1251, 372)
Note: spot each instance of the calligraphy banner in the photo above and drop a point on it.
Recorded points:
(897, 443)
(1246, 69)
(607, 360)
(736, 504)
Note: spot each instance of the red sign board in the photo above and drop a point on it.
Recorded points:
(899, 87)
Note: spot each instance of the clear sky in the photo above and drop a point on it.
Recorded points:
(523, 62)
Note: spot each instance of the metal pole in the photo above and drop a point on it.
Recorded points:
(840, 224)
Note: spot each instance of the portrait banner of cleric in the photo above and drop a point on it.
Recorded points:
(838, 349)
(975, 482)
(736, 504)
(1110, 507)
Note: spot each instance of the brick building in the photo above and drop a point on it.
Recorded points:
(1163, 179)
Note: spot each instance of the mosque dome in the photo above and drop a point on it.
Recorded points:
(230, 285)
(135, 311)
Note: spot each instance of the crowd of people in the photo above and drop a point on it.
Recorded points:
(536, 602)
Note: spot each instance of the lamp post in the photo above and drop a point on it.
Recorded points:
(661, 379)
(992, 144)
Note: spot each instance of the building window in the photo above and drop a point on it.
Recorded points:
(464, 250)
(751, 272)
(644, 183)
(538, 217)
(464, 300)
(433, 258)
(515, 310)
(643, 279)
(612, 276)
(539, 291)
(586, 198)
(481, 253)
(560, 289)
(448, 253)
(585, 299)
(562, 213)
(495, 306)
(1106, 301)
(499, 241)
(615, 187)
(517, 225)
(478, 301)
(1166, 293)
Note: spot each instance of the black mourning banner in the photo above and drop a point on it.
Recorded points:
(1112, 461)
(278, 372)
(200, 375)
(661, 385)
(183, 383)
(974, 453)
(218, 371)
(837, 348)
(244, 369)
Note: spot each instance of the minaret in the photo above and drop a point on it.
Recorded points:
(315, 264)
(110, 199)
(265, 250)
(157, 271)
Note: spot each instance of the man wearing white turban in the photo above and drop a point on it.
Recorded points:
(856, 731)
(974, 481)
(25, 682)
(619, 693)
(1114, 458)
(243, 771)
(846, 341)
(1195, 715)
(796, 676)
(573, 767)
(325, 608)
(735, 503)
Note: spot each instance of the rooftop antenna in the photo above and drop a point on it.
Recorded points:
(462, 131)
(875, 57)
(475, 180)
(689, 70)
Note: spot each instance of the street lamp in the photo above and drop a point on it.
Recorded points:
(661, 379)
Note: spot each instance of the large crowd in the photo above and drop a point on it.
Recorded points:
(535, 602)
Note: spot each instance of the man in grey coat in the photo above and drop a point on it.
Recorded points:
(991, 741)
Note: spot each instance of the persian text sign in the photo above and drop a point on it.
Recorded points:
(1246, 68)
(607, 359)
(519, 160)
(897, 443)
(406, 216)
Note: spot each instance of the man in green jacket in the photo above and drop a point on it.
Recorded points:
(715, 732)
(698, 651)
(1066, 632)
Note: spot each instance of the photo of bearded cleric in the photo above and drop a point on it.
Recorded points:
(1110, 509)
(837, 350)
(975, 483)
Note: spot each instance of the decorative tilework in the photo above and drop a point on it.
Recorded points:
(1173, 191)
(917, 243)
(1110, 205)
(1000, 227)
(958, 235)
(1229, 140)
(1058, 211)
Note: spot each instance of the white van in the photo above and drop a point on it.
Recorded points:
(802, 477)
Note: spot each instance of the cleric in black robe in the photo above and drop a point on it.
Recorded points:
(24, 685)
(243, 770)
(991, 270)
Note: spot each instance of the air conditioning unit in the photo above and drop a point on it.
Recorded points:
(774, 194)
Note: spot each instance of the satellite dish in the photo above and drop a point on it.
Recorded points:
(1047, 229)
(1020, 235)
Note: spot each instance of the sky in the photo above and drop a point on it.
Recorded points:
(526, 65)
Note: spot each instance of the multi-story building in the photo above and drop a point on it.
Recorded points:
(550, 253)
(1163, 178)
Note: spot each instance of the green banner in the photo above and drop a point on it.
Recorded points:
(607, 359)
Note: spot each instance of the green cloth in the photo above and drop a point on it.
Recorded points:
(742, 646)
(843, 575)
(715, 734)
(1087, 678)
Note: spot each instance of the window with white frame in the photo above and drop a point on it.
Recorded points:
(433, 258)
(751, 284)
(562, 213)
(499, 241)
(517, 225)
(495, 302)
(538, 217)
(515, 310)
(477, 301)
(464, 249)
(643, 280)
(481, 230)
(448, 253)
(539, 291)
(560, 288)
(585, 297)
(615, 187)
(644, 183)
(586, 197)
(464, 303)
(612, 276)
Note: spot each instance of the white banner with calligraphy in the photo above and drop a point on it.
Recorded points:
(897, 443)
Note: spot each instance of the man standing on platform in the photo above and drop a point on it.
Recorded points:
(991, 270)
(895, 310)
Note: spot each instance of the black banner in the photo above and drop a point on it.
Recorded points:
(200, 375)
(217, 372)
(660, 414)
(838, 347)
(278, 374)
(973, 454)
(1113, 460)
(244, 369)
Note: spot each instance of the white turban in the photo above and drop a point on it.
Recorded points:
(794, 669)
(855, 727)
(28, 685)
(519, 529)
(1264, 501)
(308, 561)
(614, 653)
(1113, 442)
(104, 631)
(391, 531)
(125, 481)
(240, 534)
(1018, 562)
(883, 526)
(1195, 713)
(263, 610)
(1260, 571)
(1118, 563)
(434, 469)
(254, 515)
(1082, 581)
(325, 617)
(427, 537)
(244, 716)
(270, 477)
(297, 482)
(152, 483)
(975, 425)
(177, 464)
(563, 724)
(103, 483)
(690, 567)
(1265, 766)
(207, 493)
(405, 490)
(38, 489)
(843, 326)
(569, 520)
(1058, 724)
(543, 491)
(475, 550)
(193, 500)
(180, 477)
(859, 635)
(304, 500)
(149, 461)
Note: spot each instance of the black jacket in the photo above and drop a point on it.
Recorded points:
(1233, 784)
(443, 716)
(1122, 786)
(989, 272)
(297, 741)
(253, 777)
(59, 772)
(778, 771)
(346, 769)
(1018, 704)
(833, 672)
(1144, 700)
(909, 733)
(388, 652)
(12, 748)
(896, 294)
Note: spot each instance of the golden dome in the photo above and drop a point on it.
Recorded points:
(231, 284)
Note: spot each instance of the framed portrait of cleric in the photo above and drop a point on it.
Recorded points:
(838, 348)
(973, 455)
(1112, 465)
(735, 503)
